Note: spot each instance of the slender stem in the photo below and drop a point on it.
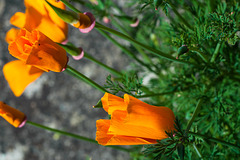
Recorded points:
(124, 49)
(199, 104)
(123, 36)
(122, 29)
(195, 113)
(70, 6)
(80, 76)
(156, 94)
(152, 50)
(201, 55)
(72, 135)
(181, 17)
(214, 140)
(111, 70)
(216, 52)
(197, 150)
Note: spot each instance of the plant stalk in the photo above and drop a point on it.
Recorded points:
(73, 135)
(82, 77)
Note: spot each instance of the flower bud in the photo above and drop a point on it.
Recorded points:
(12, 115)
(76, 53)
(157, 3)
(66, 16)
(183, 49)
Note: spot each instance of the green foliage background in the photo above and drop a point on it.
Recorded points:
(211, 31)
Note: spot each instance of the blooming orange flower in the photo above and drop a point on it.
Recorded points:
(38, 50)
(12, 115)
(37, 53)
(133, 122)
(39, 15)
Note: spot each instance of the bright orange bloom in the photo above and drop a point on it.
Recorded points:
(12, 115)
(39, 15)
(133, 122)
(38, 50)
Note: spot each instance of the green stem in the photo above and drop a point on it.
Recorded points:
(201, 55)
(125, 50)
(156, 94)
(111, 70)
(144, 55)
(199, 104)
(123, 36)
(152, 50)
(181, 17)
(73, 135)
(82, 77)
(214, 140)
(70, 6)
(197, 150)
(195, 113)
(216, 52)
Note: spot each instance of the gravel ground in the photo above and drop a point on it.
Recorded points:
(57, 100)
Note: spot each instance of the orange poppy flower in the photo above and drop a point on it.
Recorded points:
(36, 49)
(133, 122)
(12, 115)
(39, 15)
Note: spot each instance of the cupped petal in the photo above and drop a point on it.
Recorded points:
(18, 19)
(19, 75)
(111, 103)
(11, 35)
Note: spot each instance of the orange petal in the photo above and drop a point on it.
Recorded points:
(142, 120)
(53, 31)
(104, 138)
(111, 103)
(11, 35)
(20, 75)
(47, 54)
(42, 17)
(12, 115)
(18, 19)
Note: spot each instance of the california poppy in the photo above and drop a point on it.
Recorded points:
(12, 115)
(37, 53)
(133, 122)
(39, 15)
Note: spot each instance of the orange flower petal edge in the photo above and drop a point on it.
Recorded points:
(133, 122)
(12, 115)
(19, 75)
(39, 15)
(36, 49)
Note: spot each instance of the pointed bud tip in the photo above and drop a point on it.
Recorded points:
(23, 122)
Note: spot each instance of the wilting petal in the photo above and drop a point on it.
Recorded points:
(20, 75)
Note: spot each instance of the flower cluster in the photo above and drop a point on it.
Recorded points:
(40, 46)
